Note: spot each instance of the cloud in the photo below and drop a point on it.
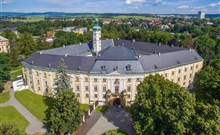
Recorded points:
(6, 2)
(183, 7)
(214, 4)
(134, 1)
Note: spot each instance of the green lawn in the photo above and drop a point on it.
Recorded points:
(37, 104)
(4, 97)
(102, 109)
(114, 132)
(33, 102)
(15, 74)
(84, 107)
(10, 115)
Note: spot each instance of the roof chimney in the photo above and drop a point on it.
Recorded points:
(64, 46)
(190, 49)
(133, 40)
(66, 54)
(159, 54)
(80, 43)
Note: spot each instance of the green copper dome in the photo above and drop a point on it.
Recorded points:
(96, 27)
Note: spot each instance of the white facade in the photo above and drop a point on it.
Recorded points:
(97, 41)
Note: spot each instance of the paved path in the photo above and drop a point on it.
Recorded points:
(114, 118)
(35, 124)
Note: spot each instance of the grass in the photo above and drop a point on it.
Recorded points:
(9, 114)
(15, 74)
(4, 97)
(29, 19)
(17, 68)
(101, 109)
(114, 132)
(36, 103)
(84, 107)
(33, 102)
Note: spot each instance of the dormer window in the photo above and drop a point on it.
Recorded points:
(128, 67)
(103, 68)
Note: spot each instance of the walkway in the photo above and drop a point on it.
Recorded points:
(35, 124)
(114, 118)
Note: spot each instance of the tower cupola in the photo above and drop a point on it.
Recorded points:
(96, 37)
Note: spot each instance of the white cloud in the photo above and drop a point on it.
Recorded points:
(6, 2)
(214, 4)
(134, 1)
(183, 7)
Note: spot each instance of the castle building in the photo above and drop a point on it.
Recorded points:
(4, 45)
(109, 71)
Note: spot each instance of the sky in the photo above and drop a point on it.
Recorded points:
(113, 6)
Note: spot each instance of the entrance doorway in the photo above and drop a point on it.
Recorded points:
(117, 101)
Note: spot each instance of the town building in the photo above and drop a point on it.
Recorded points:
(13, 29)
(4, 45)
(76, 30)
(201, 15)
(109, 71)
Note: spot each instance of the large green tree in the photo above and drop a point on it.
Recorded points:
(65, 115)
(207, 83)
(5, 67)
(163, 107)
(62, 81)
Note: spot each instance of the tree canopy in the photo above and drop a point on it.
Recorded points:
(65, 115)
(163, 107)
(10, 129)
(62, 80)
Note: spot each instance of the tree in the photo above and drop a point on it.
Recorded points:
(10, 129)
(207, 83)
(26, 45)
(163, 107)
(62, 81)
(66, 115)
(5, 67)
(42, 44)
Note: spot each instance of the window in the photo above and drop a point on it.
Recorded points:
(87, 88)
(38, 82)
(179, 71)
(77, 79)
(104, 96)
(78, 95)
(138, 80)
(104, 88)
(86, 79)
(95, 88)
(165, 74)
(104, 80)
(116, 89)
(96, 95)
(129, 80)
(184, 77)
(172, 80)
(95, 80)
(87, 95)
(178, 79)
(197, 66)
(184, 83)
(45, 83)
(38, 88)
(45, 75)
(77, 87)
(129, 96)
(129, 88)
(185, 69)
(191, 67)
(190, 75)
(37, 73)
(172, 72)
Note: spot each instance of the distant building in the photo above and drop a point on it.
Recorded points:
(81, 30)
(13, 29)
(50, 36)
(201, 15)
(4, 45)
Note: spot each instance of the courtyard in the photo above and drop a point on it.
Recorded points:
(113, 118)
